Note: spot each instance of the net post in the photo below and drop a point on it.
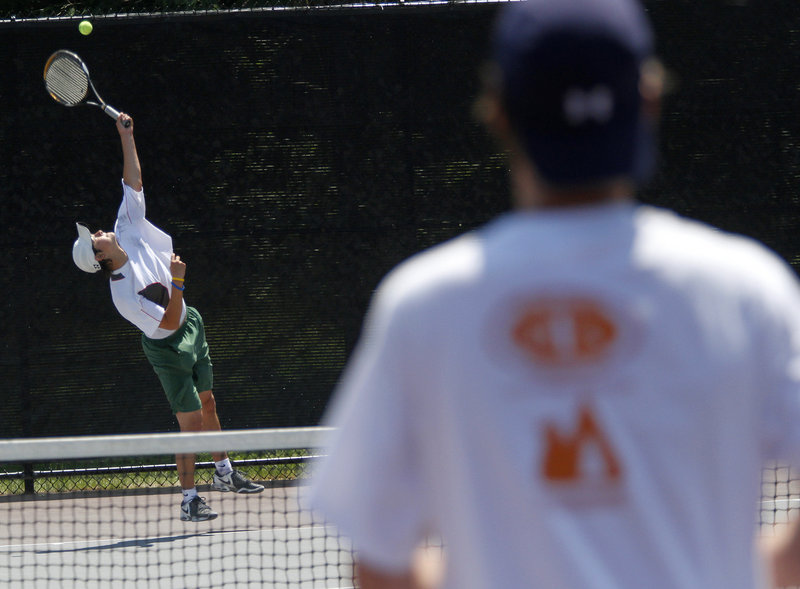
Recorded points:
(26, 404)
(27, 479)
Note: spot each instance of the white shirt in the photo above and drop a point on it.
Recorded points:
(141, 288)
(572, 399)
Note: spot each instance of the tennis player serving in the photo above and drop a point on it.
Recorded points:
(147, 282)
(583, 393)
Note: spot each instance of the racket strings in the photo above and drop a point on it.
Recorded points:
(66, 81)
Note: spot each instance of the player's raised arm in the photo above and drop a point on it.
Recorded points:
(172, 314)
(131, 170)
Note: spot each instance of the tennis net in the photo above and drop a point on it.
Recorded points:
(104, 511)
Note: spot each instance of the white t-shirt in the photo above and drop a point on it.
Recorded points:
(571, 399)
(141, 288)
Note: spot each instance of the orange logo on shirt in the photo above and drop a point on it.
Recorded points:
(564, 332)
(565, 455)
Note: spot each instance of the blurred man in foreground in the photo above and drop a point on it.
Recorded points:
(581, 394)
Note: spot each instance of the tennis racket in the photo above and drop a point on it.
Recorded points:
(67, 80)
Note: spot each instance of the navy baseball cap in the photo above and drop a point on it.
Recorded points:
(569, 73)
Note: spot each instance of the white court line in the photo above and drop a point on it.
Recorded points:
(789, 503)
(209, 533)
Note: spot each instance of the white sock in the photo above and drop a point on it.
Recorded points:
(189, 494)
(224, 466)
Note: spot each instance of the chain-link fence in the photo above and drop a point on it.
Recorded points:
(295, 157)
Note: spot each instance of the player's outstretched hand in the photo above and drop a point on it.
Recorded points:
(177, 267)
(123, 130)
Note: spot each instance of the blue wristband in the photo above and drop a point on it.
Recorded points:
(178, 287)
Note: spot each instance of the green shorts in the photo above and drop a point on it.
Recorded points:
(182, 363)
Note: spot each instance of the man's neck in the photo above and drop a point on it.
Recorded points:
(530, 192)
(118, 259)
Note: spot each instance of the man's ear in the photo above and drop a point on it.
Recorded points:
(494, 115)
(488, 108)
(653, 83)
(490, 111)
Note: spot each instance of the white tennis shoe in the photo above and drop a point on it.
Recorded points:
(196, 510)
(235, 481)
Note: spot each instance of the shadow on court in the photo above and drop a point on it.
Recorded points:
(139, 543)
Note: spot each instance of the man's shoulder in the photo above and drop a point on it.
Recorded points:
(695, 246)
(675, 232)
(453, 261)
(127, 188)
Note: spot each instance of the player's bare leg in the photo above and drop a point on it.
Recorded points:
(210, 419)
(193, 507)
(226, 478)
(189, 421)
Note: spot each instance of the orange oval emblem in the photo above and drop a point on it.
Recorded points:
(564, 332)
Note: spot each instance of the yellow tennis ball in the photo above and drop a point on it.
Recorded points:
(85, 27)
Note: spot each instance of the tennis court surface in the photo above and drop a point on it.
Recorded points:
(105, 513)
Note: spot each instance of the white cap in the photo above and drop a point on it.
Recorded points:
(83, 252)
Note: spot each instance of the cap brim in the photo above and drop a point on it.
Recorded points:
(83, 233)
(83, 250)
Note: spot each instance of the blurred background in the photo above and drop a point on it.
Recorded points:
(296, 154)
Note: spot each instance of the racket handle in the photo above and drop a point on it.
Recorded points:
(114, 114)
